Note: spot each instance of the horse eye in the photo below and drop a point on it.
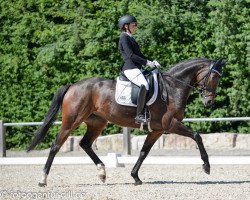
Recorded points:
(214, 77)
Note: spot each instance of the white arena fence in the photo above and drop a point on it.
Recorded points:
(126, 131)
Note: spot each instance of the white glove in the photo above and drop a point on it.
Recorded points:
(156, 64)
(153, 64)
(150, 63)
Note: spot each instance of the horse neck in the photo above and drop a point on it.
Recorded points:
(189, 70)
(187, 73)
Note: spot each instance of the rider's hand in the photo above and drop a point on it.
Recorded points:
(150, 63)
(156, 64)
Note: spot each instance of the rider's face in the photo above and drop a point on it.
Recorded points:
(132, 27)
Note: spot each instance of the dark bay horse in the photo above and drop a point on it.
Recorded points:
(93, 101)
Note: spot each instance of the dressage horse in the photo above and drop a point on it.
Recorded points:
(92, 101)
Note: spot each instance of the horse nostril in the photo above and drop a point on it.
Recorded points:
(209, 102)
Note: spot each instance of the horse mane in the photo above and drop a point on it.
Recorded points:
(180, 70)
(186, 64)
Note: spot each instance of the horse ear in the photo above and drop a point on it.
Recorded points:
(223, 62)
(219, 64)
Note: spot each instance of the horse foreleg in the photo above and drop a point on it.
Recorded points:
(180, 129)
(149, 142)
(204, 156)
(95, 125)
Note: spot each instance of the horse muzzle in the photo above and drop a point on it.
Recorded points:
(208, 101)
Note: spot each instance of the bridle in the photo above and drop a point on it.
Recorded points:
(204, 88)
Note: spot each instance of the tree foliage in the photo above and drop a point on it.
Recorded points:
(48, 43)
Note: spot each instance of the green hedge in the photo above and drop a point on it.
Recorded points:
(48, 43)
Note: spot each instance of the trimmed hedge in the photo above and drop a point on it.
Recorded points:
(48, 43)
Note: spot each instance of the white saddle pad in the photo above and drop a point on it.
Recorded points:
(123, 91)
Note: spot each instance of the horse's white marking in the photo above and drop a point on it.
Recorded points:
(101, 172)
(43, 181)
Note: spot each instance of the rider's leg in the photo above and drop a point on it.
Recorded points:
(141, 101)
(136, 76)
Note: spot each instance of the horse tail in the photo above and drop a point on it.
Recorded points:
(50, 118)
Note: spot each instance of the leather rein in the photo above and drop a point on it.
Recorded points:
(204, 87)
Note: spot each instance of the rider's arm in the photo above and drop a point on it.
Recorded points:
(127, 47)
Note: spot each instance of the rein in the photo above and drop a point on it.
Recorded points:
(183, 82)
(204, 87)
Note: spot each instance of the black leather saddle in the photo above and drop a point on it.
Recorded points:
(135, 89)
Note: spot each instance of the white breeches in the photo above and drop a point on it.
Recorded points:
(136, 77)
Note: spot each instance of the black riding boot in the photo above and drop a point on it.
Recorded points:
(141, 101)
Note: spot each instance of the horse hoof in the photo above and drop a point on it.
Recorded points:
(101, 172)
(138, 183)
(206, 168)
(136, 178)
(42, 184)
(43, 181)
(102, 178)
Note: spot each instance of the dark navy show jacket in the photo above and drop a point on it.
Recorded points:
(131, 53)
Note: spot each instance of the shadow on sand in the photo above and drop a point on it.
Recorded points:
(198, 182)
(171, 183)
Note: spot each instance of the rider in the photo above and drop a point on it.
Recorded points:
(133, 61)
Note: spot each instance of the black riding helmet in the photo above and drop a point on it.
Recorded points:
(126, 19)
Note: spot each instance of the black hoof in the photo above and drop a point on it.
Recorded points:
(42, 184)
(206, 168)
(136, 178)
(138, 183)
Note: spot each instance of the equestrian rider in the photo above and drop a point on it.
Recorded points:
(133, 61)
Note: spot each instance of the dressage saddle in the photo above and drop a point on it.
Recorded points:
(135, 89)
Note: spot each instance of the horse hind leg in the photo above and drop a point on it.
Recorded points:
(149, 142)
(75, 110)
(69, 124)
(56, 145)
(95, 126)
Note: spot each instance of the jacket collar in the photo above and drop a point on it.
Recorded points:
(129, 34)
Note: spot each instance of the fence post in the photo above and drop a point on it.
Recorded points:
(2, 139)
(126, 141)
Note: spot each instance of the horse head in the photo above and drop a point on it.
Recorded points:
(208, 81)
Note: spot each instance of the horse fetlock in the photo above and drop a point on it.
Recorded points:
(101, 172)
(133, 174)
(204, 157)
(136, 178)
(43, 181)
